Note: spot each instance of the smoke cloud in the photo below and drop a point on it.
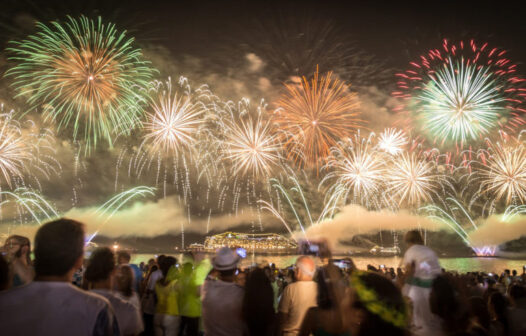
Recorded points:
(495, 231)
(150, 219)
(354, 220)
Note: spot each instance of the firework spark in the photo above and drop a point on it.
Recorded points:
(461, 93)
(411, 179)
(316, 115)
(392, 141)
(84, 74)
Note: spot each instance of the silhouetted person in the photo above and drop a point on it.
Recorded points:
(258, 305)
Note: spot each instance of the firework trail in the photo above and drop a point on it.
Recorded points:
(29, 202)
(314, 116)
(84, 75)
(461, 93)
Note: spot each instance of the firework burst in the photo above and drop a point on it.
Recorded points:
(14, 151)
(392, 141)
(175, 121)
(315, 115)
(84, 74)
(461, 93)
(252, 146)
(411, 180)
(505, 172)
(358, 169)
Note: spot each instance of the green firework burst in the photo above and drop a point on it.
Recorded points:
(84, 75)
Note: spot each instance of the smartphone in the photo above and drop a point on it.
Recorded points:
(241, 252)
(382, 266)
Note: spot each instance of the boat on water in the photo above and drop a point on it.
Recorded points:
(385, 251)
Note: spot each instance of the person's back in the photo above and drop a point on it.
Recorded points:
(222, 302)
(100, 277)
(422, 267)
(326, 318)
(298, 297)
(51, 305)
(223, 298)
(52, 308)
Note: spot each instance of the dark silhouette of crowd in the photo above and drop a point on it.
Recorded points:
(60, 292)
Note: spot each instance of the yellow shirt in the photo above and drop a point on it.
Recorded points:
(167, 298)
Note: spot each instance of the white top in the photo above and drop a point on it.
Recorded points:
(128, 316)
(133, 299)
(222, 303)
(54, 308)
(154, 277)
(426, 262)
(297, 298)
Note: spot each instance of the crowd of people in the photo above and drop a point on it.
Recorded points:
(59, 292)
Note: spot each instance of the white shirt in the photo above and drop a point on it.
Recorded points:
(53, 308)
(222, 302)
(426, 262)
(154, 277)
(297, 298)
(128, 316)
(133, 299)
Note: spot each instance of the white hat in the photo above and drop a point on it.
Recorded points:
(225, 259)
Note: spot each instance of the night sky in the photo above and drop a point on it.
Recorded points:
(250, 48)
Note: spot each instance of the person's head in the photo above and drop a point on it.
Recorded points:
(123, 257)
(413, 237)
(446, 301)
(124, 280)
(166, 263)
(258, 303)
(59, 248)
(331, 290)
(305, 269)
(18, 247)
(497, 305)
(225, 262)
(517, 292)
(479, 310)
(374, 306)
(514, 273)
(101, 265)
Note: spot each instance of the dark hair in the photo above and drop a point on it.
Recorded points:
(227, 273)
(123, 255)
(4, 273)
(390, 296)
(100, 265)
(517, 292)
(23, 241)
(124, 280)
(258, 303)
(499, 303)
(414, 237)
(479, 310)
(166, 263)
(328, 280)
(446, 301)
(58, 245)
